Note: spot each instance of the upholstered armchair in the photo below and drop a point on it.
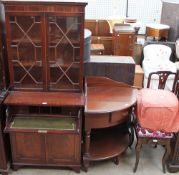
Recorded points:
(157, 58)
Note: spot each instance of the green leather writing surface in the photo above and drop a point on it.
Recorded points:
(44, 123)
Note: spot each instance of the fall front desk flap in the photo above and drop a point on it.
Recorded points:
(43, 123)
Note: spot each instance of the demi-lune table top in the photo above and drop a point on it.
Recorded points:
(104, 95)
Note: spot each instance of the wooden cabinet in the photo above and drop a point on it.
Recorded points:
(106, 41)
(55, 131)
(123, 40)
(45, 42)
(45, 45)
(56, 137)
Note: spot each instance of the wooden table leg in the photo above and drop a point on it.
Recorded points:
(86, 161)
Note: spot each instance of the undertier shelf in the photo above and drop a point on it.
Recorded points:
(108, 143)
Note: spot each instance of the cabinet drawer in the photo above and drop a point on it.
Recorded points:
(105, 120)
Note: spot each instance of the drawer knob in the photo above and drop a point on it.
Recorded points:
(42, 131)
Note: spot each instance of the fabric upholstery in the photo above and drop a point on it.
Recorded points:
(142, 132)
(158, 110)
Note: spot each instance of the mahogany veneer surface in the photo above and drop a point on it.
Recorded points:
(108, 96)
(44, 99)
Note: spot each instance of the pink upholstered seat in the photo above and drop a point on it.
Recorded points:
(142, 132)
(157, 110)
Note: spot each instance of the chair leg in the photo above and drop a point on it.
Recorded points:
(131, 131)
(131, 136)
(166, 155)
(137, 151)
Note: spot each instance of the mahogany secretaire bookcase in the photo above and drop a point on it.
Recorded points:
(45, 41)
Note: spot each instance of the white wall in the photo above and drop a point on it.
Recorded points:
(145, 11)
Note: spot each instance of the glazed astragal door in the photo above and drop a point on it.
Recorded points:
(63, 55)
(26, 56)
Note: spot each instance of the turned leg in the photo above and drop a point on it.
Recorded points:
(86, 164)
(116, 160)
(131, 136)
(137, 151)
(86, 161)
(131, 129)
(166, 155)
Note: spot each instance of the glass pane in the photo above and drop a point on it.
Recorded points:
(26, 47)
(64, 52)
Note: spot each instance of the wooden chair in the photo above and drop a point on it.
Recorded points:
(145, 136)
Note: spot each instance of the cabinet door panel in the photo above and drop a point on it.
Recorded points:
(28, 147)
(62, 148)
(123, 44)
(25, 50)
(63, 35)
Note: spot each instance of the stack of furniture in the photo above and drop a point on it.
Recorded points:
(44, 105)
(101, 36)
(120, 41)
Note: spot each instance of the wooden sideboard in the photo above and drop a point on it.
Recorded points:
(106, 117)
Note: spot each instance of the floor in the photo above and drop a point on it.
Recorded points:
(149, 164)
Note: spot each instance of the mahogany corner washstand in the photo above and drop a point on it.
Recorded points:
(107, 111)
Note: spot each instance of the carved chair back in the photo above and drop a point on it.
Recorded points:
(163, 77)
